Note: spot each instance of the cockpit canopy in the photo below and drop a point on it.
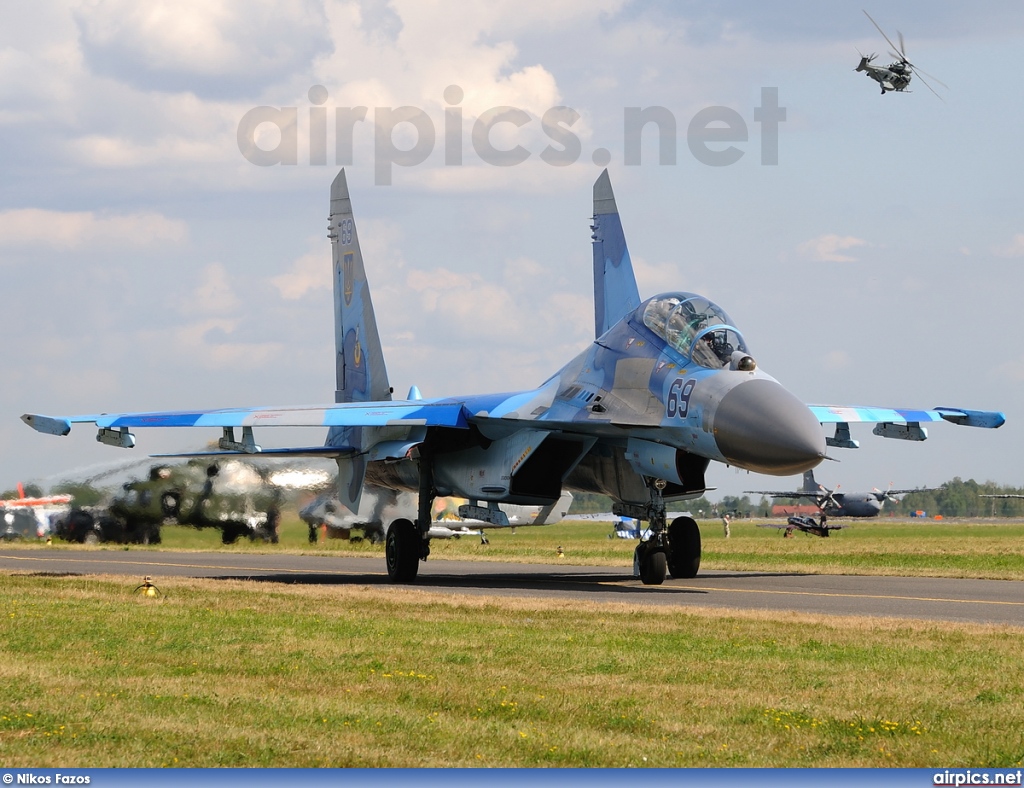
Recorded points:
(696, 328)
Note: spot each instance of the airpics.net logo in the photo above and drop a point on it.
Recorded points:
(959, 777)
(706, 133)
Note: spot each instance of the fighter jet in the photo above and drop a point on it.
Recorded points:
(840, 504)
(668, 385)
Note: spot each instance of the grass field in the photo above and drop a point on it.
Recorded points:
(232, 673)
(225, 673)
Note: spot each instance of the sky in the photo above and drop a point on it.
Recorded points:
(149, 264)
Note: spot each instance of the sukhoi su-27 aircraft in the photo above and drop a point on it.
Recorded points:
(668, 385)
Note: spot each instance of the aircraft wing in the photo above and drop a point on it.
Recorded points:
(502, 411)
(114, 427)
(901, 423)
(835, 414)
(348, 414)
(785, 493)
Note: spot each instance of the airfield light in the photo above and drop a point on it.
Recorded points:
(147, 588)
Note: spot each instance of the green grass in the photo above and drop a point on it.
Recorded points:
(228, 673)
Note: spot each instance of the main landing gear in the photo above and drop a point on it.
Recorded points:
(402, 551)
(674, 550)
(407, 543)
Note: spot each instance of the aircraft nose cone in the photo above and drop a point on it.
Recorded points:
(762, 427)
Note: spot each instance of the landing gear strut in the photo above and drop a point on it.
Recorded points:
(673, 550)
(406, 542)
(651, 553)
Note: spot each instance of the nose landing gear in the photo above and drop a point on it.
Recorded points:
(674, 550)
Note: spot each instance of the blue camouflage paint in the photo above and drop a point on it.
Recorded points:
(615, 290)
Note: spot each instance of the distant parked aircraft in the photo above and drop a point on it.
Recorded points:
(840, 504)
(29, 518)
(805, 524)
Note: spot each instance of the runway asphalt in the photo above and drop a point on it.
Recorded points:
(944, 599)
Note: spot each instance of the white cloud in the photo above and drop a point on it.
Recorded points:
(207, 47)
(212, 343)
(507, 332)
(122, 152)
(1013, 249)
(379, 241)
(214, 293)
(165, 83)
(655, 277)
(308, 273)
(828, 248)
(74, 229)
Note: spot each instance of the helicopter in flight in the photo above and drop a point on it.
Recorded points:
(896, 76)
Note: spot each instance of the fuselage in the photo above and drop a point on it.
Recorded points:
(894, 77)
(662, 393)
(853, 505)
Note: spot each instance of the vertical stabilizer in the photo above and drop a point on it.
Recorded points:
(615, 291)
(360, 374)
(810, 485)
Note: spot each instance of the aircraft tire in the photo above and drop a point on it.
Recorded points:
(653, 568)
(402, 551)
(684, 548)
(91, 538)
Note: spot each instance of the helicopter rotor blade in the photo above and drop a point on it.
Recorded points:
(903, 48)
(890, 43)
(919, 72)
(925, 83)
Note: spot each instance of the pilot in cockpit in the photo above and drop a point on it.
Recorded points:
(719, 345)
